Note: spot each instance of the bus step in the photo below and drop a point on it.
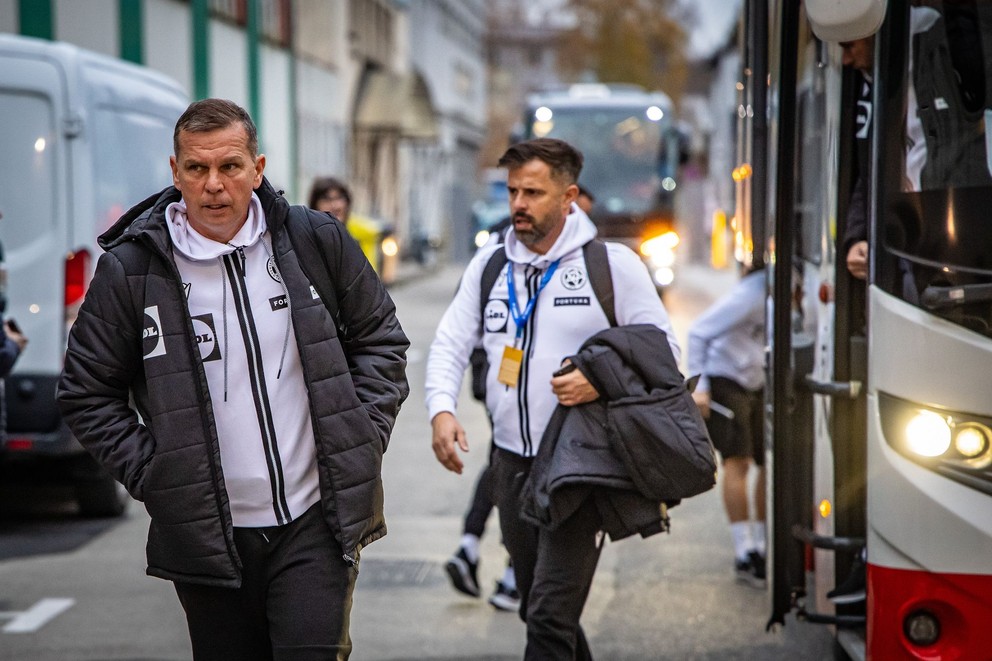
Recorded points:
(824, 542)
(839, 621)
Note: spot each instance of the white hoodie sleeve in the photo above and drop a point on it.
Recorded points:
(719, 321)
(636, 298)
(458, 332)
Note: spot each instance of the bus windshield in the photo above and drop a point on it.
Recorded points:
(623, 149)
(934, 227)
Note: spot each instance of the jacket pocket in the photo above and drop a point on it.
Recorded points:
(662, 440)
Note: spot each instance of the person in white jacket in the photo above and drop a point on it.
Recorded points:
(726, 347)
(540, 310)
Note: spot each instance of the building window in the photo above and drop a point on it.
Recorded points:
(275, 21)
(233, 10)
(464, 86)
(370, 32)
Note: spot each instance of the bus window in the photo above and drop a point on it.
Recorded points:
(934, 221)
(946, 99)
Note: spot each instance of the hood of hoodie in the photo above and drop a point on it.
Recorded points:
(148, 217)
(193, 245)
(577, 232)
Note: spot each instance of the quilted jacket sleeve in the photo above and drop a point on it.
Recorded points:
(103, 356)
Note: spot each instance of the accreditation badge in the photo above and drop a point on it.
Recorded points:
(509, 367)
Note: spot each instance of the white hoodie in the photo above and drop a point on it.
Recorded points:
(567, 313)
(240, 312)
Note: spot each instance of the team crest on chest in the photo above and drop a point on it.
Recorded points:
(573, 278)
(270, 266)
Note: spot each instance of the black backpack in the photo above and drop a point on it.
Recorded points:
(597, 265)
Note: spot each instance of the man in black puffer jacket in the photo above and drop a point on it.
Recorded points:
(266, 363)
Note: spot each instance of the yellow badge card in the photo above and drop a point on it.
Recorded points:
(509, 367)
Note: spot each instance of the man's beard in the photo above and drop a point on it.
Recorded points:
(530, 236)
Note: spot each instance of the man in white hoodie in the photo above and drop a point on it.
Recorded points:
(540, 310)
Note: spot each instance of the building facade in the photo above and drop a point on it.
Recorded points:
(376, 92)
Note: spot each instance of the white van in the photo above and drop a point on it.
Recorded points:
(83, 137)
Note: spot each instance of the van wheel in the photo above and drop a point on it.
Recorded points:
(101, 497)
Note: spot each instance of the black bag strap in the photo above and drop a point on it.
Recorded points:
(490, 273)
(308, 252)
(597, 265)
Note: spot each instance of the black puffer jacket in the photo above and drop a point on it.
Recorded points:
(641, 444)
(170, 457)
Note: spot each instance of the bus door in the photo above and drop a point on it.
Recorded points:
(816, 486)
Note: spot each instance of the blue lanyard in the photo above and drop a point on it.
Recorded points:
(520, 319)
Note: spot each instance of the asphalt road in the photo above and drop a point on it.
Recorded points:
(72, 589)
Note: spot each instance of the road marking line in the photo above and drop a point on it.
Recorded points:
(37, 616)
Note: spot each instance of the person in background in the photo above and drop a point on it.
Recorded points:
(585, 200)
(463, 566)
(539, 313)
(726, 347)
(12, 343)
(859, 55)
(207, 372)
(332, 196)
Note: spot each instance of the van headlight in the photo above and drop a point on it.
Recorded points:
(955, 444)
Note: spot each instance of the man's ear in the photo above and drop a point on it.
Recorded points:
(175, 171)
(571, 195)
(259, 168)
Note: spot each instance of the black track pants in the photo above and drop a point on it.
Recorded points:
(294, 603)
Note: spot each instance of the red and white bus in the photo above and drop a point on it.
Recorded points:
(879, 425)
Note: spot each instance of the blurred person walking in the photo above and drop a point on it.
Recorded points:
(222, 372)
(12, 344)
(726, 346)
(334, 197)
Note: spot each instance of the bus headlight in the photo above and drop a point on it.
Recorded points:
(928, 434)
(481, 238)
(957, 445)
(663, 277)
(659, 251)
(972, 442)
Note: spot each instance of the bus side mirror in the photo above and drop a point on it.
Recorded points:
(835, 21)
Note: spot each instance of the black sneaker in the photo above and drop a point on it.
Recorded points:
(505, 599)
(752, 570)
(852, 590)
(463, 573)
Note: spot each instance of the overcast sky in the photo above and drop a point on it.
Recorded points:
(714, 21)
